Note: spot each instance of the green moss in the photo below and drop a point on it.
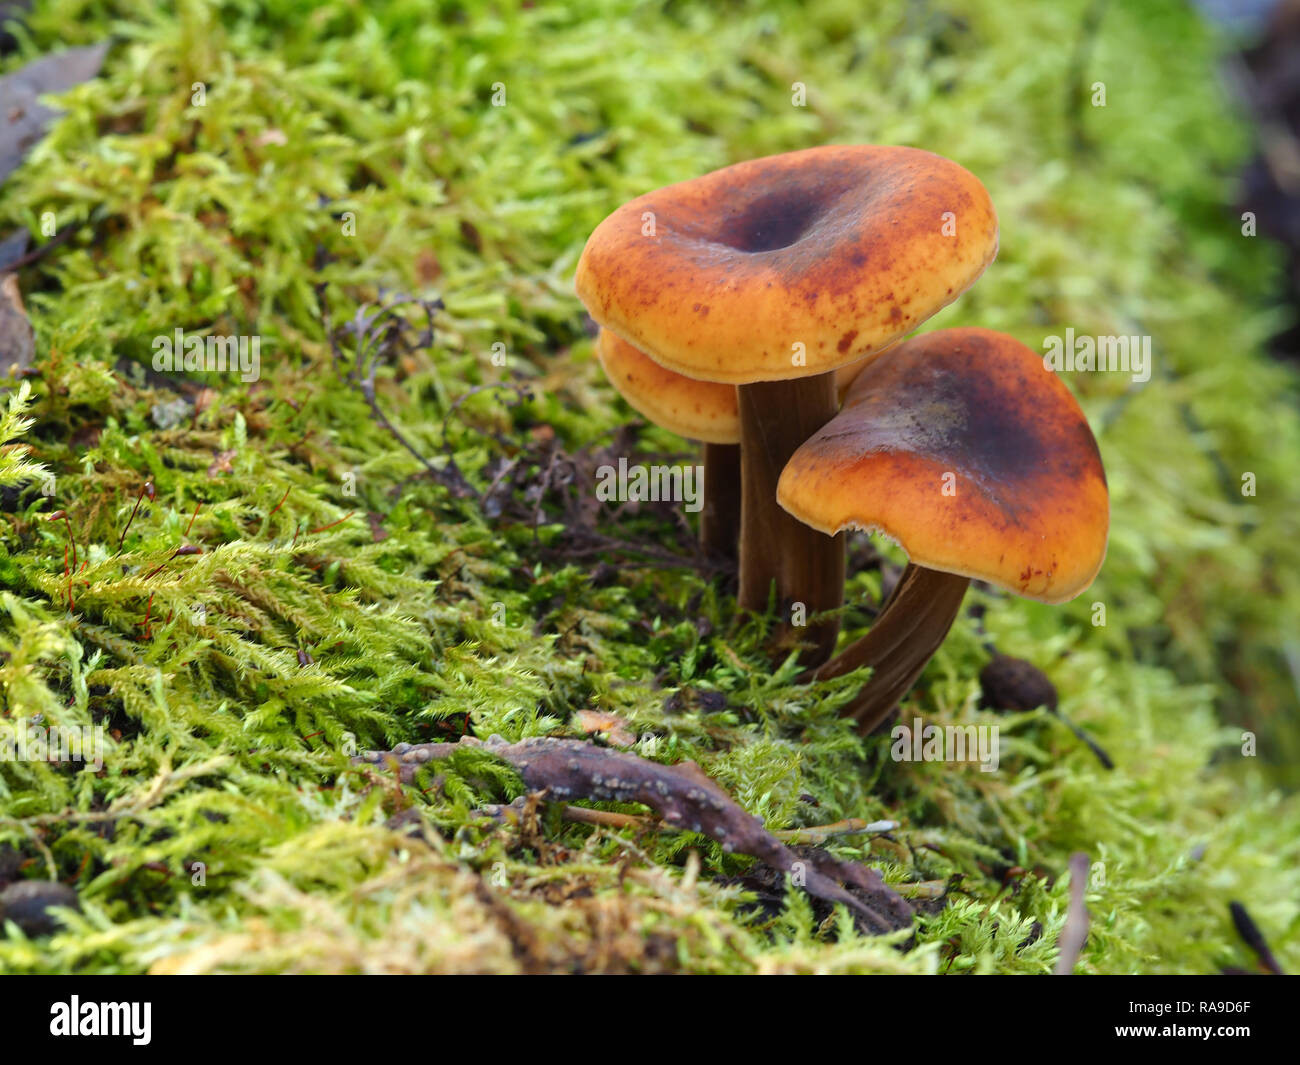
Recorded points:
(357, 148)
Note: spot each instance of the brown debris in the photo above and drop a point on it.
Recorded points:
(533, 480)
(611, 726)
(221, 464)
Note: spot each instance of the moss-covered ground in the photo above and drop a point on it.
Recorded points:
(250, 168)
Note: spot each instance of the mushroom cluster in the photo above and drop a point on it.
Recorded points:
(759, 309)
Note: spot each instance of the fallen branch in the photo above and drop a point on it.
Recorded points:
(684, 797)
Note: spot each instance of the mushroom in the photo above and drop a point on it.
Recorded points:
(698, 410)
(769, 275)
(977, 460)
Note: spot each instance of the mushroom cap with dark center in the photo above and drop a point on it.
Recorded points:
(840, 249)
(963, 448)
(698, 410)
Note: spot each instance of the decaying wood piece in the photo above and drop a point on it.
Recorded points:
(684, 797)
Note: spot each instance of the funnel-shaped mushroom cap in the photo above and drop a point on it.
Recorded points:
(962, 447)
(699, 410)
(839, 249)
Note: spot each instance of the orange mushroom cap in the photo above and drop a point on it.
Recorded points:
(698, 410)
(977, 413)
(842, 249)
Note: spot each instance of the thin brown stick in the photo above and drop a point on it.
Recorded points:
(147, 489)
(312, 532)
(279, 504)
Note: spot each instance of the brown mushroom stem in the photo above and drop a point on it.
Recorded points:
(912, 624)
(720, 518)
(807, 566)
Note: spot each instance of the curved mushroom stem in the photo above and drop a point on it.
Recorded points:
(806, 565)
(720, 518)
(912, 624)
